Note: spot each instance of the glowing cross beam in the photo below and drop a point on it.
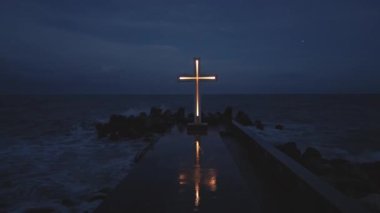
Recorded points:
(197, 77)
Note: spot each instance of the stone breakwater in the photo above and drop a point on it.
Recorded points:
(356, 180)
(158, 121)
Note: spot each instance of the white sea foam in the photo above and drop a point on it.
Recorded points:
(136, 111)
(69, 167)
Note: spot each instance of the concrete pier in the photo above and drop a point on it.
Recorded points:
(284, 182)
(184, 173)
(233, 173)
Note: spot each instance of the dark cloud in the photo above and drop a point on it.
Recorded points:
(142, 46)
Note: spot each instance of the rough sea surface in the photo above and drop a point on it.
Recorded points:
(50, 156)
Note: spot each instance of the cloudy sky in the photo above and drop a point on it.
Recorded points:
(121, 46)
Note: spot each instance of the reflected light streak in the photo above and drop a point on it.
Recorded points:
(197, 198)
(198, 177)
(211, 183)
(182, 179)
(197, 174)
(197, 148)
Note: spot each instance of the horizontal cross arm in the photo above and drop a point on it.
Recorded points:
(186, 78)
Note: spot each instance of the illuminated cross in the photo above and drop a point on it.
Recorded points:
(197, 77)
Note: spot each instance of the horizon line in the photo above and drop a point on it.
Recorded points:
(146, 94)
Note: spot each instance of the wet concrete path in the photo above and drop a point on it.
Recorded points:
(184, 173)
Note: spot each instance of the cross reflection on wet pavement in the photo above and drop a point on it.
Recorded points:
(199, 178)
(184, 173)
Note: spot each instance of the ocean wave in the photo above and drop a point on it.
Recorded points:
(57, 169)
(137, 110)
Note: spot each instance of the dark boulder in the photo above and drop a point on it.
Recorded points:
(259, 125)
(117, 123)
(351, 178)
(190, 117)
(212, 119)
(143, 115)
(279, 127)
(311, 154)
(133, 127)
(168, 114)
(372, 169)
(180, 115)
(114, 136)
(352, 186)
(204, 117)
(102, 130)
(168, 117)
(68, 202)
(227, 114)
(97, 196)
(243, 119)
(291, 150)
(159, 124)
(140, 123)
(343, 168)
(155, 112)
(312, 159)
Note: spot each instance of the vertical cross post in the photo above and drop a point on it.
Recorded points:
(197, 77)
(197, 116)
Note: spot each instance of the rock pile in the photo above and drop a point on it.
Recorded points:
(157, 122)
(243, 119)
(356, 180)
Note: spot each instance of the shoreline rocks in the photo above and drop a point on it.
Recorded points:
(356, 180)
(259, 125)
(279, 127)
(291, 150)
(157, 122)
(243, 119)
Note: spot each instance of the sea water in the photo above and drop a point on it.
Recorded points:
(50, 155)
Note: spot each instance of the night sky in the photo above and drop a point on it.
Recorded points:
(120, 46)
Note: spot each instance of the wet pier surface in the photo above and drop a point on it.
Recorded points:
(184, 173)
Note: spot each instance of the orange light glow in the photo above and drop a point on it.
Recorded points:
(212, 183)
(184, 78)
(207, 77)
(197, 149)
(197, 198)
(197, 90)
(182, 179)
(201, 179)
(197, 173)
(197, 78)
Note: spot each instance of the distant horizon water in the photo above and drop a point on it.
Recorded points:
(203, 93)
